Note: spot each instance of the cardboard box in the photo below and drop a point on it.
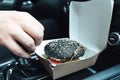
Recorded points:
(89, 25)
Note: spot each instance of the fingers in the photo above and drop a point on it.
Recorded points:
(20, 32)
(14, 47)
(24, 40)
(32, 27)
(35, 33)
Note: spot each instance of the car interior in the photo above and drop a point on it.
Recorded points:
(54, 15)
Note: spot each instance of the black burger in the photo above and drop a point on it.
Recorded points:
(63, 50)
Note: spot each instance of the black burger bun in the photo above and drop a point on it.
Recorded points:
(63, 50)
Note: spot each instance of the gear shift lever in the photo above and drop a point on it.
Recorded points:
(25, 69)
(24, 61)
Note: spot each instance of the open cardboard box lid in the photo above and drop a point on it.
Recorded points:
(89, 25)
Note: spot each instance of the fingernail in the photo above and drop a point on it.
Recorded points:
(26, 56)
(30, 50)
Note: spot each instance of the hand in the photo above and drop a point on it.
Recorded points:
(20, 32)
